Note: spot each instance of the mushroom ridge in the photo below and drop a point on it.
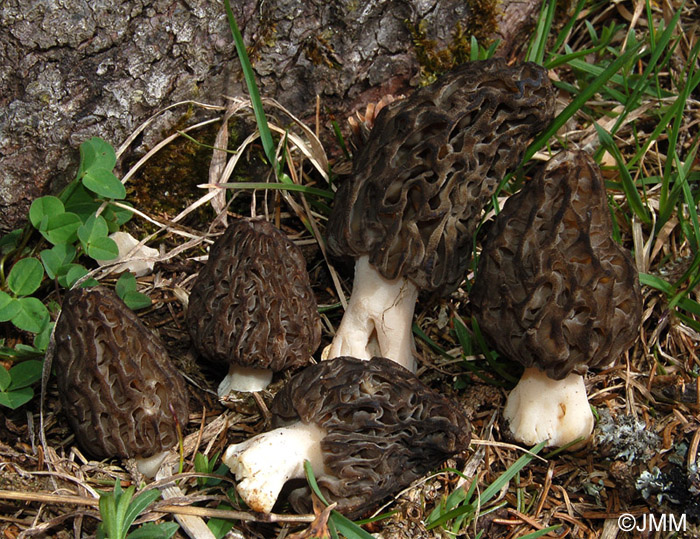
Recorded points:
(383, 428)
(554, 292)
(553, 289)
(119, 390)
(252, 305)
(431, 163)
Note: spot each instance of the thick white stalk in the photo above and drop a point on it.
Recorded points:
(263, 464)
(540, 408)
(244, 379)
(378, 320)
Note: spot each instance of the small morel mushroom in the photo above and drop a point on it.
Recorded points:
(121, 394)
(252, 309)
(555, 292)
(369, 428)
(408, 213)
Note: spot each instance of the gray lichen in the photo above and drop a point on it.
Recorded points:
(625, 437)
(657, 483)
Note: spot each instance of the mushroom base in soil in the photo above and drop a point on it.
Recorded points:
(287, 447)
(378, 320)
(561, 418)
(244, 379)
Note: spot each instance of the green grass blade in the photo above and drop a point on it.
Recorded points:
(628, 186)
(538, 44)
(493, 489)
(570, 56)
(458, 496)
(658, 48)
(336, 522)
(347, 527)
(473, 49)
(341, 139)
(463, 337)
(655, 282)
(688, 321)
(680, 180)
(566, 30)
(688, 304)
(578, 102)
(324, 193)
(540, 533)
(683, 169)
(249, 75)
(423, 336)
(488, 354)
(311, 478)
(108, 512)
(479, 373)
(681, 301)
(122, 507)
(138, 505)
(693, 79)
(332, 530)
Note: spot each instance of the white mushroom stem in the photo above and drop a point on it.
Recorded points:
(244, 379)
(263, 464)
(540, 408)
(378, 320)
(149, 466)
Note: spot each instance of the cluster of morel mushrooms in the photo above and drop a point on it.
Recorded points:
(552, 291)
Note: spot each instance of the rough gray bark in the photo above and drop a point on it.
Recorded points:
(72, 69)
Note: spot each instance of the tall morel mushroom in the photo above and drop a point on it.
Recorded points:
(252, 309)
(369, 428)
(555, 292)
(419, 185)
(121, 394)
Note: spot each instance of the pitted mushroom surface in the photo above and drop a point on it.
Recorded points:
(431, 163)
(417, 192)
(374, 427)
(556, 293)
(252, 309)
(120, 392)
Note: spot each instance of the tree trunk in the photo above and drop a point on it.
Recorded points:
(73, 69)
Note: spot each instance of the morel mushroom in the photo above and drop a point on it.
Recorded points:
(419, 185)
(121, 394)
(369, 428)
(556, 293)
(252, 309)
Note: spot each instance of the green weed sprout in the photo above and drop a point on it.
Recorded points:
(119, 509)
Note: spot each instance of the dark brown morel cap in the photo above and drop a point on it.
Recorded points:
(120, 392)
(553, 290)
(252, 304)
(430, 165)
(384, 428)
